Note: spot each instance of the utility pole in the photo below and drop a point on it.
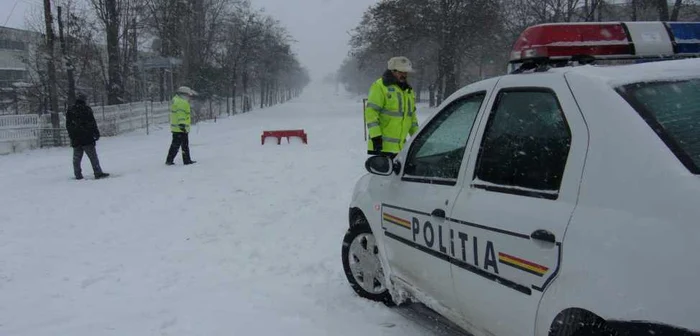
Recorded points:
(69, 63)
(135, 55)
(55, 121)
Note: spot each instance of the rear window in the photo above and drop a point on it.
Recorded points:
(672, 110)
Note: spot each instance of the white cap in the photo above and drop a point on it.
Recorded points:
(400, 63)
(186, 90)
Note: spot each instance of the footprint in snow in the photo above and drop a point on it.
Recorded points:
(168, 323)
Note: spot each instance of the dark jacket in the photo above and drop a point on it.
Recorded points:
(81, 125)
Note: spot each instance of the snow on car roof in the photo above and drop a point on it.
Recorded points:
(617, 75)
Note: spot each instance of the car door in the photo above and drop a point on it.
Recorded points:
(413, 208)
(509, 219)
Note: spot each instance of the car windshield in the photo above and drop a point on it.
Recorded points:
(672, 109)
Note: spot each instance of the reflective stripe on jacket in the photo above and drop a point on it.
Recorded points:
(390, 113)
(179, 114)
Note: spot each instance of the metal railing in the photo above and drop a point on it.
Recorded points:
(30, 131)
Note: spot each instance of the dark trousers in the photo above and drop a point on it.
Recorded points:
(180, 140)
(78, 158)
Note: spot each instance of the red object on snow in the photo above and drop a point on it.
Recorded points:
(279, 134)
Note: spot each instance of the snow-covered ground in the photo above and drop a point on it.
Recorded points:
(245, 242)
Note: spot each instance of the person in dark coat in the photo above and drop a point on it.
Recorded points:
(83, 133)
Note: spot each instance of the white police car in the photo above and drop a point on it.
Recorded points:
(561, 199)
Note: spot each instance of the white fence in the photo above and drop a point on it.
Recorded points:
(22, 132)
(18, 132)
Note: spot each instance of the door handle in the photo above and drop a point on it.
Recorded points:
(438, 213)
(544, 235)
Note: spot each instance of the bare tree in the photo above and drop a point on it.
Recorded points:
(224, 44)
(437, 33)
(109, 12)
(242, 30)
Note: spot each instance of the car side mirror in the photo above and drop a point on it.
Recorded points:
(380, 165)
(397, 167)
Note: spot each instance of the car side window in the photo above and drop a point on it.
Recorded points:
(436, 153)
(525, 145)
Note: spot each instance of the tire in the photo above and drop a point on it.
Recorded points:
(362, 265)
(597, 329)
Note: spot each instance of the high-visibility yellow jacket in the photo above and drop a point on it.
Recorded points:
(390, 113)
(180, 114)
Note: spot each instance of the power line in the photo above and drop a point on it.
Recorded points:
(10, 15)
(28, 2)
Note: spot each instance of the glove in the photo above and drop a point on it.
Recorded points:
(377, 142)
(183, 128)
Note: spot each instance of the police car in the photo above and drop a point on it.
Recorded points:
(561, 199)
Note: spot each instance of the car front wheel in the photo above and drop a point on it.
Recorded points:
(599, 330)
(362, 265)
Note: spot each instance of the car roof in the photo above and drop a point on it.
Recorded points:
(617, 75)
(468, 88)
(611, 75)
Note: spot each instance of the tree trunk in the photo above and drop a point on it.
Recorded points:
(662, 6)
(115, 85)
(231, 106)
(246, 98)
(228, 100)
(262, 94)
(419, 85)
(123, 67)
(69, 64)
(233, 93)
(439, 83)
(440, 91)
(442, 52)
(161, 84)
(191, 32)
(133, 60)
(442, 75)
(53, 99)
(450, 75)
(676, 10)
(270, 94)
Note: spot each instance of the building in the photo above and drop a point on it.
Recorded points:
(16, 47)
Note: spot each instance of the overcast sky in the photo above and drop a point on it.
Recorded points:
(320, 26)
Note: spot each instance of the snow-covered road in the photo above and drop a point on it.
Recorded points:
(245, 242)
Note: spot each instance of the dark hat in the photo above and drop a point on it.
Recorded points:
(81, 96)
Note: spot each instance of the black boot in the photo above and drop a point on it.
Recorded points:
(101, 175)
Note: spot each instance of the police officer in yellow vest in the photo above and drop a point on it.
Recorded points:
(390, 112)
(180, 123)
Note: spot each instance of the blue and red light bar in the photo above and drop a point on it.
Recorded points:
(686, 36)
(608, 40)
